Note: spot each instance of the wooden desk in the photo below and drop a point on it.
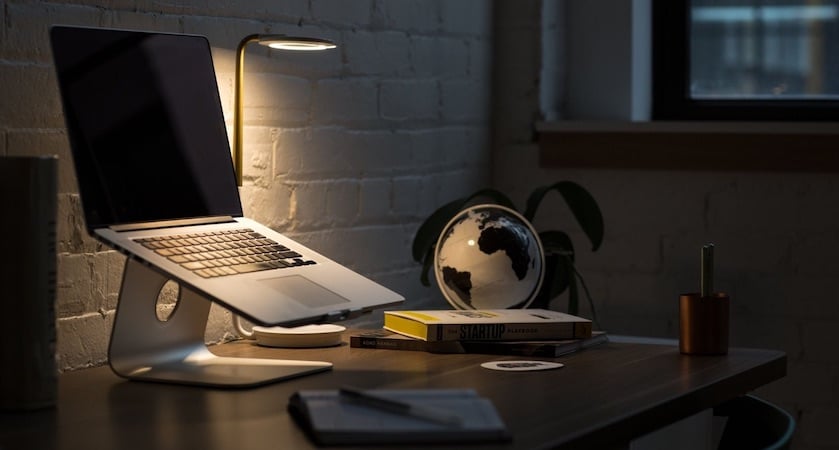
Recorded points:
(604, 397)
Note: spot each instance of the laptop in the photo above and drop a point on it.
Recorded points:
(157, 183)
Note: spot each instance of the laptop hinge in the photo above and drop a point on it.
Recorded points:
(343, 314)
(172, 223)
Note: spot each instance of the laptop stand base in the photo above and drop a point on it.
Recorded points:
(146, 348)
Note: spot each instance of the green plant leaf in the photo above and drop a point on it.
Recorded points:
(427, 262)
(581, 203)
(558, 245)
(557, 242)
(590, 300)
(573, 296)
(429, 231)
(557, 275)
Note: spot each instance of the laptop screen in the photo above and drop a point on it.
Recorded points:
(145, 125)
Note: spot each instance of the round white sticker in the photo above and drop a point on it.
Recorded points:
(521, 366)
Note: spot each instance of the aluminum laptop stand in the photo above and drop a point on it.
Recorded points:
(173, 351)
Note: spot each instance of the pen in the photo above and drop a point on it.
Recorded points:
(707, 275)
(428, 413)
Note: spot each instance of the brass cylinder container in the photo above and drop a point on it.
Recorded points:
(703, 324)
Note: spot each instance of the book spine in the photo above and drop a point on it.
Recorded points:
(388, 344)
(509, 331)
(519, 349)
(533, 348)
(379, 342)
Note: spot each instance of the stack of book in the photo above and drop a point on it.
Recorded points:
(523, 332)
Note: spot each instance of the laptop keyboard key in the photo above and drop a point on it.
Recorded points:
(228, 252)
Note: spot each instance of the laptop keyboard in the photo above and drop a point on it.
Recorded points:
(226, 252)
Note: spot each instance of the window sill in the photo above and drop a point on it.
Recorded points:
(660, 145)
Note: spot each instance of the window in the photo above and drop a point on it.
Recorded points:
(746, 59)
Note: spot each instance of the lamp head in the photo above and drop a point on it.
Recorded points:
(296, 43)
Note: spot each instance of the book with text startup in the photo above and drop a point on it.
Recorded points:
(385, 339)
(487, 325)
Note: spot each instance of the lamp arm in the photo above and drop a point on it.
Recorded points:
(238, 105)
(291, 43)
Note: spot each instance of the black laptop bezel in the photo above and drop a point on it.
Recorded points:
(94, 196)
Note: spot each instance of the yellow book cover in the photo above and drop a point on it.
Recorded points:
(487, 324)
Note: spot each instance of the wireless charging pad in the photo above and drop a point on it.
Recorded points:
(306, 336)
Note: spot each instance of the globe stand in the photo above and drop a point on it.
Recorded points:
(145, 348)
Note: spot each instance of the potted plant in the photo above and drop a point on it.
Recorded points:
(560, 272)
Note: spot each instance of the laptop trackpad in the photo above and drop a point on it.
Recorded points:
(304, 291)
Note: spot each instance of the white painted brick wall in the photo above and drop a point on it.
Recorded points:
(346, 102)
(346, 151)
(409, 100)
(356, 13)
(465, 17)
(414, 15)
(377, 53)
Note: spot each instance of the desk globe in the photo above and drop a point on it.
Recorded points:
(489, 257)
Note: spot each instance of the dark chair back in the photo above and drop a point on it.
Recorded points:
(754, 424)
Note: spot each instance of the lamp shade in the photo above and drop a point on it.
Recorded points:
(283, 42)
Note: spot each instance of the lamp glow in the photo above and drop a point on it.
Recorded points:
(275, 41)
(295, 43)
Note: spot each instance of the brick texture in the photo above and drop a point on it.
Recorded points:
(346, 151)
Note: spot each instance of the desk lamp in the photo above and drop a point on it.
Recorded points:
(281, 42)
(277, 41)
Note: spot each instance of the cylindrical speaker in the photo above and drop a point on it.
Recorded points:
(28, 198)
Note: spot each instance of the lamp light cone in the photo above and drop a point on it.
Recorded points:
(276, 41)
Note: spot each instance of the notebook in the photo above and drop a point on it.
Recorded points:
(332, 419)
(156, 180)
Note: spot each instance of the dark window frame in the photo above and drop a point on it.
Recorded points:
(671, 76)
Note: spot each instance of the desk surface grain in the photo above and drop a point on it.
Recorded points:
(603, 397)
